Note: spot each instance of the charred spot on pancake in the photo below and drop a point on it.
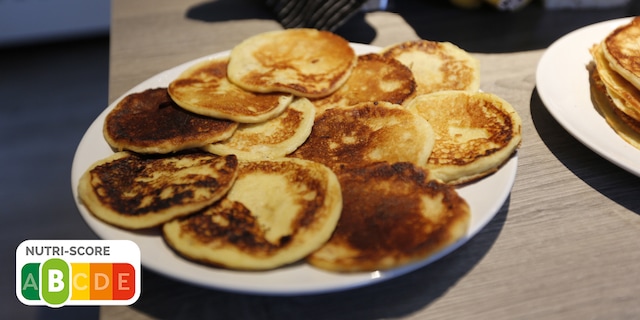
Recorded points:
(150, 121)
(367, 132)
(277, 212)
(130, 185)
(229, 223)
(393, 213)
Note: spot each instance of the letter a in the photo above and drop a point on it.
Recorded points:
(30, 283)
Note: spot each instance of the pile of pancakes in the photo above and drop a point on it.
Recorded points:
(293, 148)
(615, 80)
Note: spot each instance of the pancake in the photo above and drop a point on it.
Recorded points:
(305, 62)
(629, 121)
(135, 191)
(626, 96)
(204, 89)
(374, 78)
(271, 139)
(150, 122)
(622, 50)
(393, 215)
(626, 127)
(437, 66)
(276, 213)
(365, 133)
(476, 133)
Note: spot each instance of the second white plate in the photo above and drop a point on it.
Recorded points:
(562, 80)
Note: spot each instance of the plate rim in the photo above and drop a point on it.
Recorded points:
(616, 150)
(505, 175)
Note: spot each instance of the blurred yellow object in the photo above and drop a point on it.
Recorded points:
(467, 4)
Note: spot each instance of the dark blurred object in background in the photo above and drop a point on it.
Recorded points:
(318, 14)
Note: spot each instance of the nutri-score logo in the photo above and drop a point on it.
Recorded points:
(56, 273)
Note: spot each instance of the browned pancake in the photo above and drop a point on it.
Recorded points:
(392, 215)
(136, 191)
(150, 122)
(305, 62)
(204, 89)
(277, 212)
(437, 66)
(274, 138)
(622, 50)
(629, 121)
(626, 127)
(375, 78)
(625, 95)
(365, 133)
(476, 133)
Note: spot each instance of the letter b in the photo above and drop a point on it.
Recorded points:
(55, 279)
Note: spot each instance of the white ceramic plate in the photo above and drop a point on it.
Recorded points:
(562, 81)
(485, 197)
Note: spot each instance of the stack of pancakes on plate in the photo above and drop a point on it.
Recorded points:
(615, 80)
(295, 148)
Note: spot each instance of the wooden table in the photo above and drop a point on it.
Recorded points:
(565, 245)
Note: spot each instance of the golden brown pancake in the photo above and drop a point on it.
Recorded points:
(631, 122)
(204, 89)
(476, 133)
(626, 96)
(626, 127)
(622, 50)
(393, 214)
(374, 78)
(365, 133)
(437, 66)
(136, 191)
(271, 139)
(150, 122)
(305, 62)
(276, 213)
